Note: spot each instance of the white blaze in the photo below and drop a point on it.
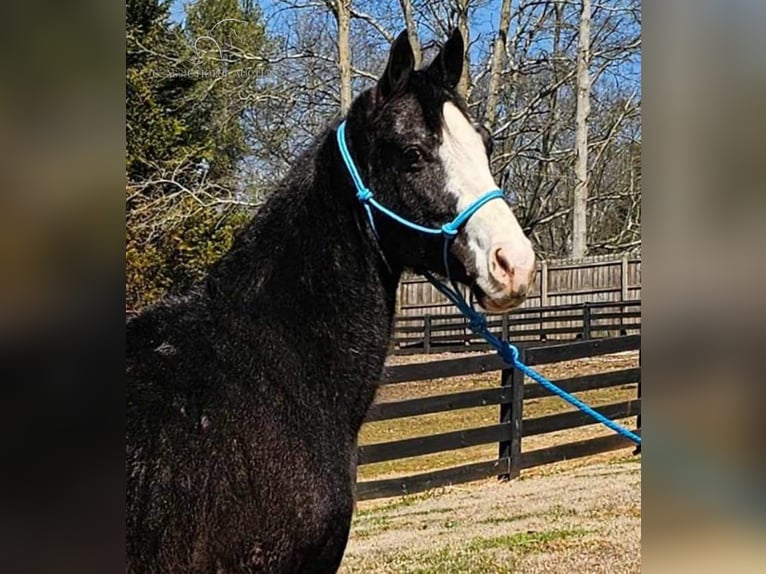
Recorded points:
(468, 177)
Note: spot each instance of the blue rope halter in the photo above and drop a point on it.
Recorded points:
(363, 194)
(476, 321)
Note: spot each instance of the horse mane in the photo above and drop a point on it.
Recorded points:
(313, 197)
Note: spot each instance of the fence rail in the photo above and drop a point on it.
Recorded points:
(450, 332)
(563, 282)
(509, 396)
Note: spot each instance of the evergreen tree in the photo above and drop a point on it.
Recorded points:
(186, 92)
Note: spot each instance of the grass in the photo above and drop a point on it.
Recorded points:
(397, 429)
(495, 520)
(553, 513)
(442, 561)
(377, 526)
(397, 503)
(478, 555)
(633, 458)
(524, 541)
(427, 512)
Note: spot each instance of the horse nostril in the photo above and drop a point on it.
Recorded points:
(500, 260)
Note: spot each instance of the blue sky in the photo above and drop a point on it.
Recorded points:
(483, 27)
(177, 11)
(480, 26)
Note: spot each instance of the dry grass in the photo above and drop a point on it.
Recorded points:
(582, 519)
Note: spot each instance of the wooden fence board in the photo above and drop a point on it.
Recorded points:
(550, 352)
(586, 383)
(420, 482)
(617, 327)
(552, 310)
(437, 404)
(576, 330)
(515, 333)
(441, 369)
(417, 349)
(582, 349)
(573, 419)
(574, 450)
(430, 444)
(626, 315)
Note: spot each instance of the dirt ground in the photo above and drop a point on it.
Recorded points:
(574, 517)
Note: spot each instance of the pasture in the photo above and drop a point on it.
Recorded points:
(579, 515)
(582, 517)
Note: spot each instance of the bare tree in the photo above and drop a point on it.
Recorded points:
(342, 11)
(412, 30)
(580, 202)
(462, 23)
(524, 83)
(498, 61)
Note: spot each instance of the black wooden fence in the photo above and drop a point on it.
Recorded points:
(512, 425)
(449, 332)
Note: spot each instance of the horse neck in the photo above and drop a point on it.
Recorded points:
(308, 267)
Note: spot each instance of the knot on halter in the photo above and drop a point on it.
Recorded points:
(449, 230)
(364, 195)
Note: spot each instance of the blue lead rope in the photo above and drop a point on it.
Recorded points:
(510, 354)
(477, 322)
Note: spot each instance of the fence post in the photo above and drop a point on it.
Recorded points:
(466, 333)
(623, 330)
(427, 334)
(543, 298)
(513, 414)
(586, 321)
(624, 278)
(637, 450)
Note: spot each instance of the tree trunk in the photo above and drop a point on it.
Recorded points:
(546, 177)
(412, 30)
(343, 17)
(498, 60)
(579, 212)
(462, 24)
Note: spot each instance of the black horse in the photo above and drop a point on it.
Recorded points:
(245, 397)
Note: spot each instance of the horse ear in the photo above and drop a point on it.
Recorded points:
(447, 66)
(401, 63)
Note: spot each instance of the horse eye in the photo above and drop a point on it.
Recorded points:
(412, 156)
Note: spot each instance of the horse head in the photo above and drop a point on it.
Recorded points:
(424, 157)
